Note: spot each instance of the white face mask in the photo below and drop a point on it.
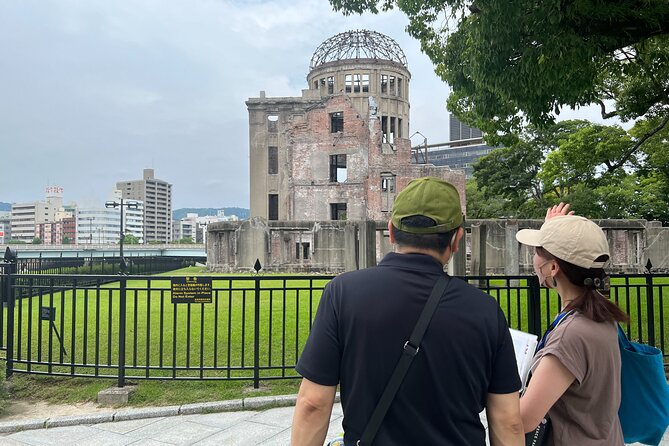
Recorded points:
(543, 281)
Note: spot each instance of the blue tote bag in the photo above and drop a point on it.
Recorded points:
(644, 404)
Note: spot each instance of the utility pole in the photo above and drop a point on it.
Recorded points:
(121, 204)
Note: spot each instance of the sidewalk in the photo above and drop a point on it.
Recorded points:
(147, 427)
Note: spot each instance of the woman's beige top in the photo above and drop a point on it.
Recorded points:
(587, 413)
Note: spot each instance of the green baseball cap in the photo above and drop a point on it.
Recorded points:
(429, 197)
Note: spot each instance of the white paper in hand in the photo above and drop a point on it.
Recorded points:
(524, 344)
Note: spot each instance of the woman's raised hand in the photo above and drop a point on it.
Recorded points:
(558, 209)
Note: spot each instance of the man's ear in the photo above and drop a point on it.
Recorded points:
(390, 231)
(455, 241)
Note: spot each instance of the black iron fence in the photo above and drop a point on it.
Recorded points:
(253, 328)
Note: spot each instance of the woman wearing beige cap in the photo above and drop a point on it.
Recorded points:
(576, 371)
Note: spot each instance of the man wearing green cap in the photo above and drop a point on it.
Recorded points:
(464, 364)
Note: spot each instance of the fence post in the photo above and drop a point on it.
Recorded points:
(10, 269)
(650, 311)
(256, 335)
(121, 332)
(534, 306)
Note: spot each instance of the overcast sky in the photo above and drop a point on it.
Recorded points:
(92, 92)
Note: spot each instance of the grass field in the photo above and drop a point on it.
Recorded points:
(216, 340)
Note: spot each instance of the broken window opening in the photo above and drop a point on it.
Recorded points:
(336, 122)
(399, 127)
(302, 250)
(388, 182)
(391, 85)
(384, 128)
(273, 207)
(338, 211)
(272, 160)
(399, 86)
(365, 83)
(331, 85)
(391, 133)
(387, 191)
(384, 83)
(338, 172)
(349, 83)
(315, 85)
(272, 123)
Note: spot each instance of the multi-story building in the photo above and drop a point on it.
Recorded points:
(50, 233)
(25, 216)
(5, 227)
(342, 149)
(156, 196)
(462, 151)
(98, 226)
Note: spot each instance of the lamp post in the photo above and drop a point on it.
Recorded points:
(90, 229)
(121, 204)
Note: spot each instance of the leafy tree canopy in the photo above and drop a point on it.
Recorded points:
(130, 239)
(585, 164)
(510, 62)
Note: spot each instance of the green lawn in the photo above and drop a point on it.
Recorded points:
(216, 340)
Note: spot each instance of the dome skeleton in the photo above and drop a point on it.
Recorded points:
(358, 44)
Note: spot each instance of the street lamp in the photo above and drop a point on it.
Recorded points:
(121, 204)
(90, 229)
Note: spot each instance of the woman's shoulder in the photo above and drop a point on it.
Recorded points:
(578, 327)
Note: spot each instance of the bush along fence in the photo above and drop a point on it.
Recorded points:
(229, 327)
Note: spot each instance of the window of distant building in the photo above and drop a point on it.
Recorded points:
(338, 211)
(384, 83)
(272, 123)
(357, 83)
(336, 122)
(302, 250)
(273, 207)
(348, 84)
(338, 172)
(365, 83)
(330, 84)
(272, 160)
(391, 85)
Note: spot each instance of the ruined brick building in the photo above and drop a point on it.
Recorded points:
(341, 150)
(325, 166)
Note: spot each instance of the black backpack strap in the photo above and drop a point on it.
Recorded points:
(411, 348)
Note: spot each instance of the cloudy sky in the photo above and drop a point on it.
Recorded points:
(93, 91)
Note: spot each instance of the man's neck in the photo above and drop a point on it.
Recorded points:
(442, 258)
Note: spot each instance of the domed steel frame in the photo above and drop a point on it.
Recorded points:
(358, 44)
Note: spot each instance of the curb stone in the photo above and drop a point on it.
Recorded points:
(259, 402)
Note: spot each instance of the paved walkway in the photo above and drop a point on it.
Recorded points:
(245, 427)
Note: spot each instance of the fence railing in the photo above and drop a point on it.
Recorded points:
(254, 328)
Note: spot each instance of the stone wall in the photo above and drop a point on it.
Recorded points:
(490, 246)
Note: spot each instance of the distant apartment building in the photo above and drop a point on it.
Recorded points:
(195, 227)
(5, 227)
(50, 233)
(26, 216)
(98, 226)
(156, 196)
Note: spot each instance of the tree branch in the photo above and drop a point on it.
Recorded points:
(605, 114)
(638, 144)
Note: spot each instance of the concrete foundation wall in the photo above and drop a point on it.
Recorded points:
(490, 246)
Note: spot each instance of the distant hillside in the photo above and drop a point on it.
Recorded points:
(5, 206)
(178, 214)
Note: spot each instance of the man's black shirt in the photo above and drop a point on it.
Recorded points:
(363, 320)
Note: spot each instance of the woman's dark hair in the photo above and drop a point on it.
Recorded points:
(594, 303)
(438, 242)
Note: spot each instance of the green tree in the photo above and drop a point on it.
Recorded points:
(66, 240)
(129, 239)
(510, 62)
(185, 241)
(36, 241)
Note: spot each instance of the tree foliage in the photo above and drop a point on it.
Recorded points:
(584, 164)
(510, 62)
(130, 239)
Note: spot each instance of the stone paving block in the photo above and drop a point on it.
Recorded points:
(286, 400)
(153, 429)
(280, 439)
(148, 412)
(279, 417)
(115, 396)
(215, 406)
(150, 442)
(9, 442)
(75, 420)
(56, 436)
(244, 433)
(22, 425)
(221, 420)
(104, 438)
(185, 432)
(123, 427)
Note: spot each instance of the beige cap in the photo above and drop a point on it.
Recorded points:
(571, 238)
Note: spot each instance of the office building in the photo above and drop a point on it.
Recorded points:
(156, 196)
